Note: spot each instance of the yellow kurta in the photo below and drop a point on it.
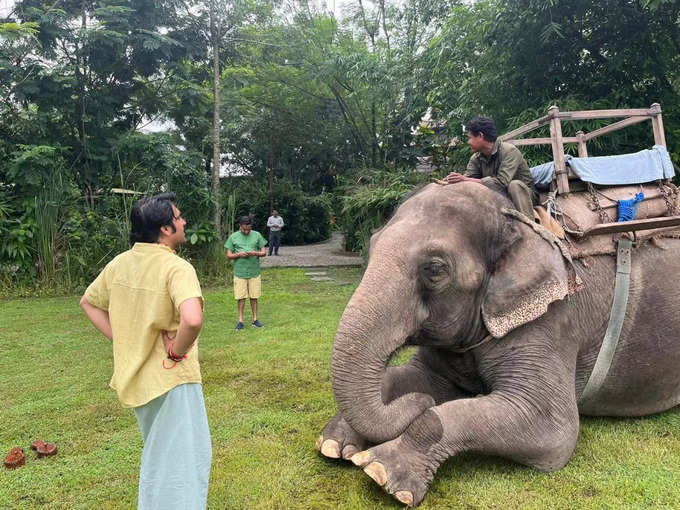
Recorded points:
(142, 290)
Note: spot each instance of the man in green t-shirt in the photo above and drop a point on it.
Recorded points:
(245, 247)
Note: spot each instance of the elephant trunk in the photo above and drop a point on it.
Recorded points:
(374, 325)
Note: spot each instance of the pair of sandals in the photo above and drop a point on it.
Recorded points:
(16, 457)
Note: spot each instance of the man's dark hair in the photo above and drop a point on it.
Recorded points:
(148, 215)
(484, 125)
(245, 220)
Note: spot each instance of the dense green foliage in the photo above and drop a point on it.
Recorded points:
(307, 217)
(308, 102)
(268, 395)
(368, 202)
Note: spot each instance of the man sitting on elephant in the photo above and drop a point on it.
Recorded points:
(498, 165)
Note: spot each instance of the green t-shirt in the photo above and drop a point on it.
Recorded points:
(248, 267)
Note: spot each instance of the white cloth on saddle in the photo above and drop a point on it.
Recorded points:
(543, 174)
(636, 168)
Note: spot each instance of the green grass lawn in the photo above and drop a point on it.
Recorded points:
(268, 396)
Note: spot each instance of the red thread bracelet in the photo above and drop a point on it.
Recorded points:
(171, 354)
(176, 357)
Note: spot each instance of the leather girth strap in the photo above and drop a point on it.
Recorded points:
(618, 313)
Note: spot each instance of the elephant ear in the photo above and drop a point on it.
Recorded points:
(533, 270)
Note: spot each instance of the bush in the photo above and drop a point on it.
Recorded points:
(56, 237)
(210, 261)
(369, 200)
(307, 217)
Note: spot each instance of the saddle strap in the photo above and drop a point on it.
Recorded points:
(616, 317)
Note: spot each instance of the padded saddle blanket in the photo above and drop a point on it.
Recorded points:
(638, 168)
(581, 210)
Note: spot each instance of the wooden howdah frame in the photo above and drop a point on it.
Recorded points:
(555, 117)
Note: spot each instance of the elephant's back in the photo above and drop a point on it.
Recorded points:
(644, 376)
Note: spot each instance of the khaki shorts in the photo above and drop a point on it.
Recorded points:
(247, 287)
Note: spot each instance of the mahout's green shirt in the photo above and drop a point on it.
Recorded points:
(248, 267)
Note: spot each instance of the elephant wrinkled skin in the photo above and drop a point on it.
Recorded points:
(446, 270)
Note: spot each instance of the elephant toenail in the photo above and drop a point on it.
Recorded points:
(361, 458)
(319, 440)
(405, 497)
(348, 451)
(377, 471)
(331, 448)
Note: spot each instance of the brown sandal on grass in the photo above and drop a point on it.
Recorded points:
(37, 443)
(16, 458)
(44, 448)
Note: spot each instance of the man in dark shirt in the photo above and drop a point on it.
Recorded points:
(498, 165)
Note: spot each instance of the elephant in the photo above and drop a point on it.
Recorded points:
(506, 330)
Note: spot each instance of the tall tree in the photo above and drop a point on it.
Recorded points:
(217, 158)
(510, 57)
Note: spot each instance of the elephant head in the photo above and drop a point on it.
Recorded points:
(448, 268)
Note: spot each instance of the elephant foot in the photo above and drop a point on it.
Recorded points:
(401, 471)
(339, 440)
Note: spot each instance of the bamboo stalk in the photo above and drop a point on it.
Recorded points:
(614, 127)
(539, 141)
(605, 114)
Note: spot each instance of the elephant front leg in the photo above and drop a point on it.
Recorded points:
(543, 438)
(339, 440)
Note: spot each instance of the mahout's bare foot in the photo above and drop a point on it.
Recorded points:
(399, 469)
(339, 440)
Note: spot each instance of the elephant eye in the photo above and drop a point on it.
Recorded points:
(434, 268)
(434, 271)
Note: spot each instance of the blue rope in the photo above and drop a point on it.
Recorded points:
(628, 208)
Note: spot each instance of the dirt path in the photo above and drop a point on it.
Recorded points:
(328, 253)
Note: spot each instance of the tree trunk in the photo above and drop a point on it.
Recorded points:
(80, 78)
(216, 159)
(271, 180)
(374, 136)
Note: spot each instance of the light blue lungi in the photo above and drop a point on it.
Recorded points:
(177, 451)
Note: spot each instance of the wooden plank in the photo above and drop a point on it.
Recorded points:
(657, 125)
(539, 141)
(605, 114)
(631, 226)
(582, 148)
(526, 128)
(662, 138)
(615, 127)
(657, 131)
(558, 150)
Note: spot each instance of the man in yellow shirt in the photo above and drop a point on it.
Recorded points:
(148, 302)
